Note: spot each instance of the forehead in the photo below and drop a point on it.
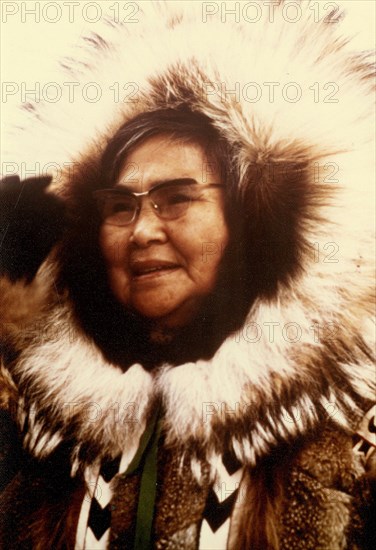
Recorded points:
(162, 158)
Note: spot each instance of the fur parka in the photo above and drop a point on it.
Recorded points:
(286, 389)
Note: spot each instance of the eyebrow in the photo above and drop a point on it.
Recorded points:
(159, 183)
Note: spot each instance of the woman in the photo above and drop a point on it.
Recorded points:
(185, 360)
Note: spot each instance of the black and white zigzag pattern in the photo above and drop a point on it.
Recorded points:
(93, 531)
(216, 520)
(365, 438)
(99, 521)
(222, 496)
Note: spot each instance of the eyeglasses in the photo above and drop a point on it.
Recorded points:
(169, 200)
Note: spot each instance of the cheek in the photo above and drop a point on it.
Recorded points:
(204, 247)
(211, 253)
(113, 245)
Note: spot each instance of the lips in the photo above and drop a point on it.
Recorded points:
(149, 268)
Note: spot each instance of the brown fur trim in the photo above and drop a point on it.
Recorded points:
(22, 302)
(256, 518)
(314, 496)
(43, 509)
(19, 303)
(8, 392)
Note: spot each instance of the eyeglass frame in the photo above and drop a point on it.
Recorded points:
(137, 195)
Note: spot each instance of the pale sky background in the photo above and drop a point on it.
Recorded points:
(28, 47)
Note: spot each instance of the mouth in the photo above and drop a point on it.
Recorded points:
(149, 269)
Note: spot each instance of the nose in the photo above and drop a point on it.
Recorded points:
(148, 228)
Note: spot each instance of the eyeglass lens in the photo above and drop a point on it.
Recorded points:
(169, 202)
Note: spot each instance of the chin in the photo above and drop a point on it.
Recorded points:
(169, 316)
(168, 319)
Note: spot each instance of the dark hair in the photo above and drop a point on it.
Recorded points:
(184, 126)
(123, 335)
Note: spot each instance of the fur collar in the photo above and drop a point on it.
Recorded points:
(258, 391)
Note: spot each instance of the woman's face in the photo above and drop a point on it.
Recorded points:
(164, 268)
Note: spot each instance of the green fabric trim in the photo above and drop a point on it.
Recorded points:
(145, 438)
(148, 491)
(147, 453)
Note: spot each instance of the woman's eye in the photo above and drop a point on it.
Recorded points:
(120, 205)
(177, 198)
(171, 196)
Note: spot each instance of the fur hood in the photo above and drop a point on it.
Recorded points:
(294, 101)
